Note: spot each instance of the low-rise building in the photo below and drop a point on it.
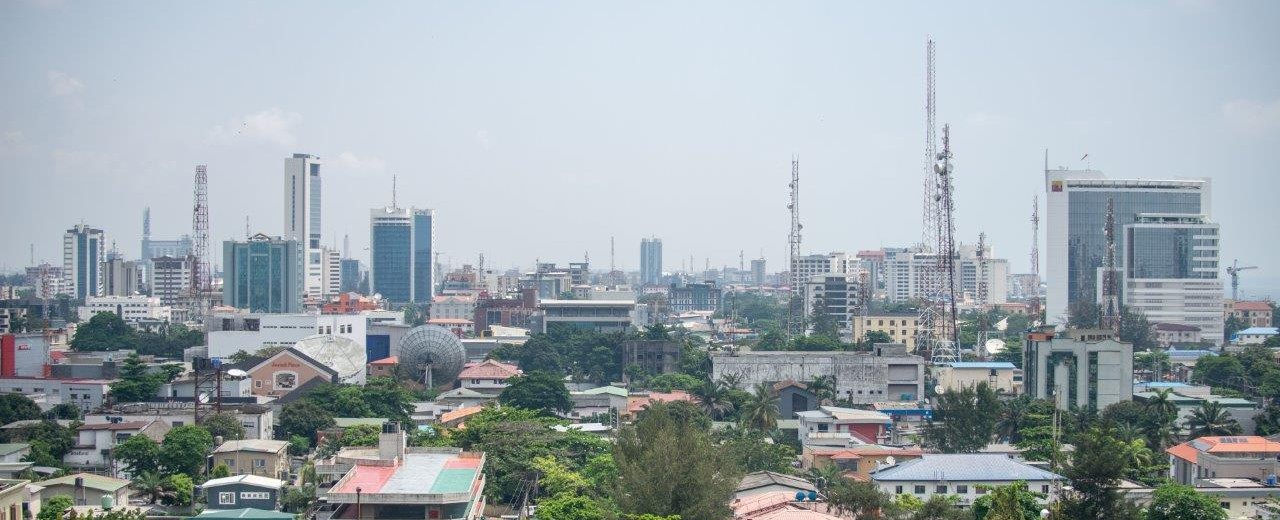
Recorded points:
(1254, 335)
(241, 491)
(266, 458)
(86, 489)
(1170, 334)
(13, 492)
(350, 303)
(856, 462)
(900, 326)
(286, 371)
(385, 367)
(132, 309)
(654, 356)
(459, 326)
(603, 316)
(1252, 314)
(256, 419)
(453, 307)
(488, 376)
(1249, 457)
(794, 397)
(24, 355)
(232, 331)
(1000, 376)
(887, 373)
(693, 297)
(853, 426)
(965, 476)
(96, 442)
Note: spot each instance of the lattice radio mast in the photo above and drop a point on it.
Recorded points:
(200, 271)
(929, 224)
(945, 349)
(983, 295)
(795, 308)
(1110, 318)
(1035, 253)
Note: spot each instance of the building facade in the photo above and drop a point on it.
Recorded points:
(693, 297)
(401, 246)
(349, 275)
(1075, 210)
(1171, 272)
(1080, 368)
(120, 277)
(330, 273)
(604, 316)
(131, 309)
(263, 274)
(170, 279)
(888, 373)
(900, 326)
(83, 250)
(650, 261)
(302, 216)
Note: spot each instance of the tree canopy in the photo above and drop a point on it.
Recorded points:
(964, 421)
(542, 391)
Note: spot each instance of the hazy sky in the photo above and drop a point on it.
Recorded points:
(540, 129)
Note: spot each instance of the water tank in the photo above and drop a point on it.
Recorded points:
(340, 353)
(108, 502)
(1271, 480)
(431, 355)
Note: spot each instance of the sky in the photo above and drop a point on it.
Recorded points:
(538, 130)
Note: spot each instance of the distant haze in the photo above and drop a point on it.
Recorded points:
(537, 130)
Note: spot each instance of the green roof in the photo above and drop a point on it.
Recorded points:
(99, 482)
(13, 447)
(608, 389)
(347, 422)
(453, 481)
(248, 513)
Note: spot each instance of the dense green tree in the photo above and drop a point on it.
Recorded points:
(299, 445)
(657, 332)
(713, 397)
(815, 343)
(150, 484)
(542, 391)
(771, 340)
(220, 471)
(138, 454)
(1083, 314)
(861, 500)
(64, 411)
(49, 441)
(667, 465)
(823, 323)
(876, 336)
(53, 508)
(567, 506)
(360, 435)
(1097, 466)
(1135, 329)
(224, 425)
(18, 407)
(753, 450)
(761, 409)
(1268, 422)
(1176, 502)
(105, 331)
(1012, 353)
(669, 382)
(964, 421)
(1012, 502)
(305, 418)
(137, 382)
(1232, 325)
(181, 490)
(184, 449)
(1212, 419)
(539, 354)
(824, 387)
(1222, 370)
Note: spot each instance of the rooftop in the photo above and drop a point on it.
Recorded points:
(13, 447)
(761, 479)
(347, 422)
(963, 467)
(98, 482)
(246, 514)
(460, 413)
(1251, 306)
(434, 473)
(845, 414)
(393, 360)
(253, 480)
(1176, 327)
(636, 403)
(982, 364)
(488, 369)
(257, 445)
(130, 425)
(1259, 331)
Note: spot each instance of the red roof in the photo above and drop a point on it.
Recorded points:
(1228, 444)
(393, 360)
(488, 369)
(460, 413)
(636, 403)
(1251, 306)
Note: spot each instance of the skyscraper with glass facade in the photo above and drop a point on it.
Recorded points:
(1076, 245)
(83, 251)
(400, 249)
(1171, 271)
(263, 274)
(302, 215)
(650, 261)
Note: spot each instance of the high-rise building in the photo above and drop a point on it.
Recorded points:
(1171, 272)
(331, 269)
(47, 280)
(120, 277)
(400, 248)
(906, 275)
(757, 271)
(1076, 245)
(83, 250)
(170, 279)
(350, 275)
(650, 261)
(1078, 368)
(263, 274)
(302, 216)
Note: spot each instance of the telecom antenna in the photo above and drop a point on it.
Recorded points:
(983, 296)
(945, 349)
(146, 222)
(1110, 319)
(393, 191)
(200, 272)
(795, 308)
(1035, 252)
(926, 332)
(611, 257)
(247, 233)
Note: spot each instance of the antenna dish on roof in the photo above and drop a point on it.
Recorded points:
(235, 372)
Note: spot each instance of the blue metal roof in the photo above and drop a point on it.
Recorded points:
(1196, 353)
(981, 364)
(1259, 330)
(963, 467)
(1163, 384)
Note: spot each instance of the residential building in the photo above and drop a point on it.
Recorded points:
(488, 376)
(650, 261)
(95, 442)
(24, 354)
(396, 482)
(1000, 376)
(86, 394)
(1251, 314)
(594, 315)
(900, 326)
(1249, 457)
(263, 274)
(809, 266)
(888, 373)
(1171, 271)
(505, 312)
(47, 281)
(841, 296)
(400, 243)
(858, 461)
(262, 457)
(909, 275)
(453, 307)
(1254, 335)
(86, 489)
(794, 397)
(547, 284)
(653, 356)
(83, 250)
(873, 265)
(1076, 213)
(243, 491)
(690, 297)
(302, 190)
(1078, 368)
(170, 279)
(385, 367)
(120, 277)
(1171, 334)
(14, 496)
(256, 419)
(850, 425)
(349, 275)
(231, 332)
(967, 476)
(350, 303)
(330, 273)
(286, 371)
(639, 401)
(132, 309)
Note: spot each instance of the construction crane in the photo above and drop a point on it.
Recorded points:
(1234, 270)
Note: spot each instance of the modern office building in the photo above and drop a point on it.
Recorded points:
(650, 261)
(1075, 216)
(170, 279)
(349, 275)
(1087, 369)
(263, 274)
(331, 273)
(693, 297)
(120, 277)
(401, 244)
(83, 250)
(302, 216)
(907, 274)
(604, 316)
(758, 271)
(1171, 272)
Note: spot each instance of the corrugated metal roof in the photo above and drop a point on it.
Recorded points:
(963, 467)
(981, 364)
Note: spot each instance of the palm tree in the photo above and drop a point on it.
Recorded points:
(1162, 402)
(714, 398)
(1211, 419)
(309, 473)
(151, 484)
(824, 476)
(1012, 415)
(731, 380)
(761, 409)
(1138, 457)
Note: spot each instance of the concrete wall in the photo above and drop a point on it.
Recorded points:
(860, 376)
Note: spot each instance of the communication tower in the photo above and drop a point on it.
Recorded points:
(795, 307)
(200, 272)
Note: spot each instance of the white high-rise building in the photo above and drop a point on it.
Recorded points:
(1170, 271)
(302, 216)
(83, 250)
(906, 271)
(331, 260)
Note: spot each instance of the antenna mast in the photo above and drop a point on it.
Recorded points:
(795, 308)
(1035, 253)
(200, 272)
(946, 349)
(1110, 319)
(393, 191)
(926, 331)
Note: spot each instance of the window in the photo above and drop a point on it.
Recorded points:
(940, 489)
(1044, 488)
(822, 427)
(255, 495)
(178, 423)
(475, 381)
(231, 463)
(259, 463)
(980, 490)
(919, 489)
(226, 498)
(897, 490)
(1225, 505)
(962, 489)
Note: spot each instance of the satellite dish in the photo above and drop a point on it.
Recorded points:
(994, 346)
(890, 460)
(203, 398)
(938, 389)
(235, 372)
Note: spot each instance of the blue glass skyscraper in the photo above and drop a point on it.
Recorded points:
(400, 248)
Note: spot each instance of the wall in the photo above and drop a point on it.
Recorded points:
(860, 377)
(241, 496)
(282, 374)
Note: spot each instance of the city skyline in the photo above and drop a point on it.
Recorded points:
(482, 149)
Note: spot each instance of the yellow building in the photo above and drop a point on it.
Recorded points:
(900, 326)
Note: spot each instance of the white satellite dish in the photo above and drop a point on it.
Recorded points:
(994, 346)
(890, 460)
(938, 389)
(203, 398)
(235, 372)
